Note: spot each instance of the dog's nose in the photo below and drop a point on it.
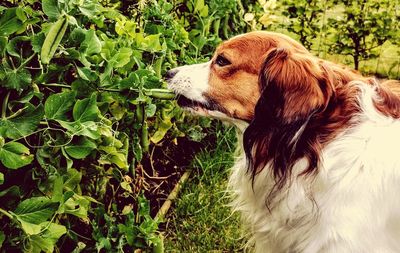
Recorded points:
(170, 74)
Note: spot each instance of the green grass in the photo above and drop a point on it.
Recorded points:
(201, 221)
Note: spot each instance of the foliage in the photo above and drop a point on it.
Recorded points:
(82, 101)
(304, 17)
(356, 28)
(363, 27)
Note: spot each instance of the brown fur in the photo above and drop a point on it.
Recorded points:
(235, 86)
(304, 104)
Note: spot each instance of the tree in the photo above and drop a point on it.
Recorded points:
(362, 27)
(304, 19)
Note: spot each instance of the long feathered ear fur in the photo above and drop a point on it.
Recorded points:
(295, 89)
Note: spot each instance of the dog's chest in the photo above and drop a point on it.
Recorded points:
(349, 201)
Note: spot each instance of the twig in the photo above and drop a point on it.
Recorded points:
(172, 196)
(152, 177)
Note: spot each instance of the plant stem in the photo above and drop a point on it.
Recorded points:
(6, 213)
(56, 85)
(5, 103)
(17, 113)
(26, 61)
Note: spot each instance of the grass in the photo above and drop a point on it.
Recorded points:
(201, 221)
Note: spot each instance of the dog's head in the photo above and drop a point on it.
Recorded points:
(292, 102)
(228, 86)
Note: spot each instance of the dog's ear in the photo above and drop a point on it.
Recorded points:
(292, 85)
(294, 89)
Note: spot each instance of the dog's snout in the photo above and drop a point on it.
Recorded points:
(170, 74)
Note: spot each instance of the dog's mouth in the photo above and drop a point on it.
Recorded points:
(199, 107)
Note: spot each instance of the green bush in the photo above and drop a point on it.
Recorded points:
(82, 101)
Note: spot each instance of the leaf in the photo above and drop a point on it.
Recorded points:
(37, 42)
(163, 128)
(31, 212)
(29, 228)
(73, 179)
(122, 57)
(199, 5)
(22, 125)
(57, 195)
(87, 74)
(91, 45)
(1, 182)
(13, 48)
(17, 79)
(9, 22)
(152, 43)
(132, 81)
(48, 239)
(81, 149)
(50, 8)
(78, 206)
(88, 9)
(117, 110)
(86, 109)
(15, 155)
(88, 128)
(58, 105)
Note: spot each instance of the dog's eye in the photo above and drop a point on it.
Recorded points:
(222, 61)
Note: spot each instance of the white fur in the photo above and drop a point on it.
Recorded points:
(191, 81)
(352, 205)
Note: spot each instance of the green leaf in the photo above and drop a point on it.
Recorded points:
(1, 182)
(72, 179)
(50, 8)
(17, 79)
(81, 149)
(35, 210)
(87, 74)
(37, 42)
(88, 9)
(88, 128)
(47, 240)
(132, 81)
(13, 48)
(163, 128)
(22, 125)
(122, 57)
(86, 109)
(57, 195)
(91, 45)
(15, 155)
(9, 22)
(117, 110)
(30, 228)
(152, 43)
(58, 105)
(78, 206)
(199, 5)
(31, 212)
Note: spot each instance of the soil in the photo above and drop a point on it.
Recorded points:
(162, 173)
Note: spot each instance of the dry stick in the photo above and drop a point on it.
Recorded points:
(172, 196)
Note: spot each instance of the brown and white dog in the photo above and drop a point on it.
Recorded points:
(319, 169)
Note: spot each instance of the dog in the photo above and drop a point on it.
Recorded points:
(318, 170)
